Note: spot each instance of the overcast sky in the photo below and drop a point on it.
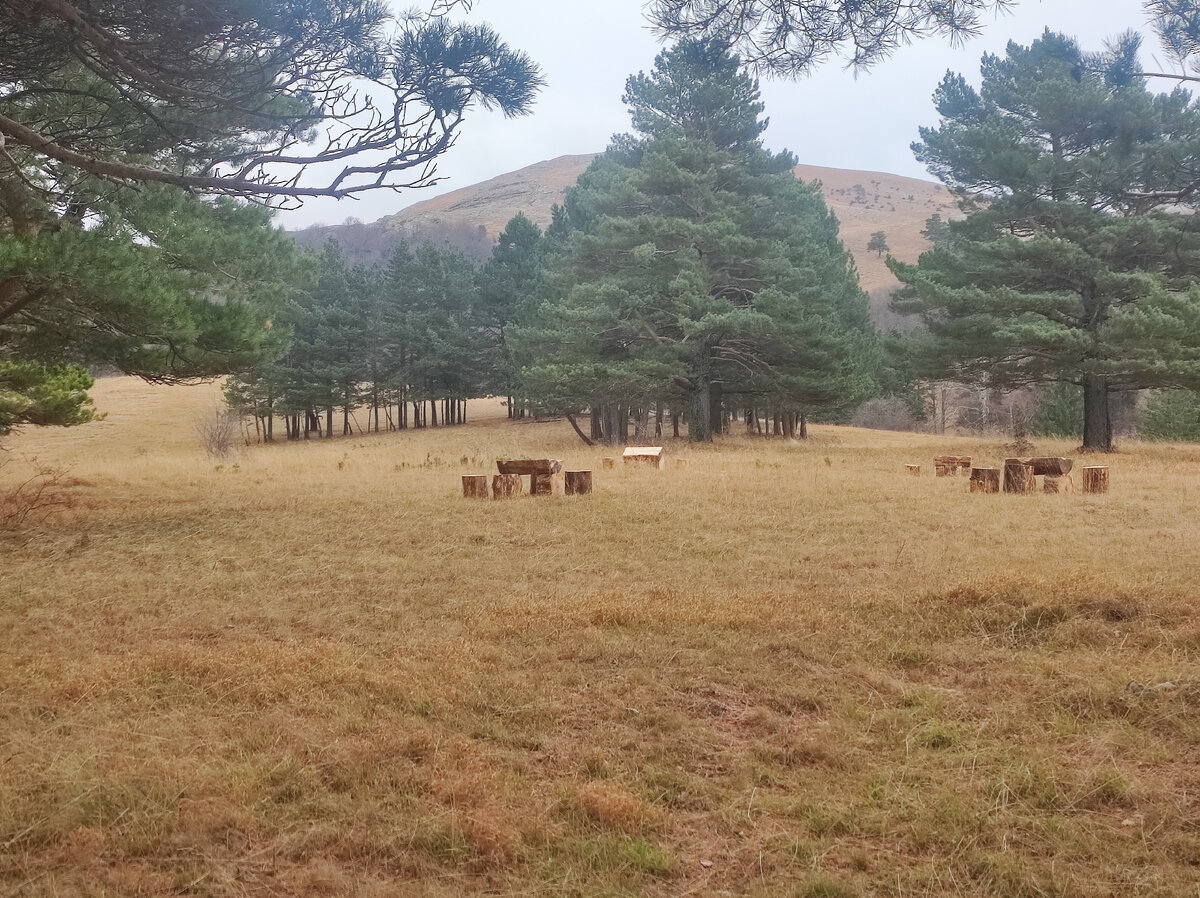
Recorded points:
(587, 49)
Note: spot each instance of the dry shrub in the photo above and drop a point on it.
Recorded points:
(35, 498)
(612, 804)
(218, 432)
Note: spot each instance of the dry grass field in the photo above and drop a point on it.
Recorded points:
(784, 670)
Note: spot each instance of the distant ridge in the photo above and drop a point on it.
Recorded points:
(471, 218)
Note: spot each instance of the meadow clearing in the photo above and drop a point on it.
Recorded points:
(786, 669)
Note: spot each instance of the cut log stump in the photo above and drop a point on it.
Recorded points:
(1095, 479)
(985, 480)
(539, 484)
(506, 486)
(682, 462)
(915, 470)
(943, 470)
(1051, 484)
(608, 462)
(1018, 476)
(475, 486)
(579, 483)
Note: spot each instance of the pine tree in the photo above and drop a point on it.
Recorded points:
(1076, 264)
(696, 269)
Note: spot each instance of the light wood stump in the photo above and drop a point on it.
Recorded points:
(649, 455)
(985, 480)
(1095, 479)
(608, 462)
(1018, 476)
(475, 486)
(682, 462)
(915, 470)
(506, 486)
(539, 484)
(579, 483)
(944, 471)
(1051, 484)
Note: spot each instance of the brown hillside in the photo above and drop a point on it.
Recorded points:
(470, 218)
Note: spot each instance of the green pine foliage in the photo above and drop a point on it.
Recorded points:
(43, 394)
(160, 284)
(1076, 263)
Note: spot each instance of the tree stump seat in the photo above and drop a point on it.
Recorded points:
(985, 480)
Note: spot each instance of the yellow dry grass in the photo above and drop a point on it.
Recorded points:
(785, 669)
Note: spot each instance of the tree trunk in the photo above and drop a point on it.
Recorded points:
(1097, 424)
(575, 426)
(803, 426)
(700, 414)
(716, 409)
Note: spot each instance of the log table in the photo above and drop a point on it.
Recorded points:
(545, 474)
(1056, 472)
(950, 465)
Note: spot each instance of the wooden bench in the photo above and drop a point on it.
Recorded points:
(545, 474)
